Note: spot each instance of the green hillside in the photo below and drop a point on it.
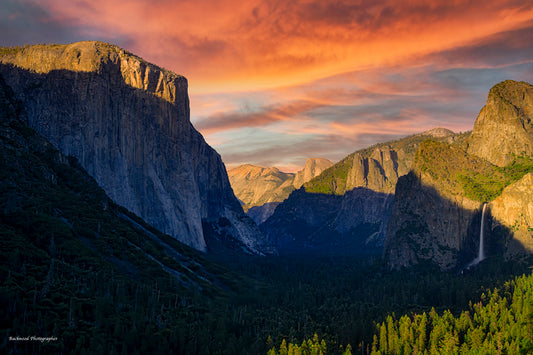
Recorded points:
(459, 173)
(333, 180)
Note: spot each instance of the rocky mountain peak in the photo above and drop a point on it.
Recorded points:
(504, 127)
(313, 167)
(261, 189)
(516, 93)
(100, 57)
(250, 172)
(438, 132)
(255, 185)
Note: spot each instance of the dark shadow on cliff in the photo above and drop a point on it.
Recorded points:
(74, 266)
(261, 213)
(426, 227)
(162, 161)
(496, 238)
(315, 224)
(39, 85)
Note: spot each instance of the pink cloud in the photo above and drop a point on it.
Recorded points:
(231, 45)
(327, 76)
(222, 121)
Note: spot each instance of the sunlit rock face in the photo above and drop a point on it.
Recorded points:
(261, 190)
(127, 122)
(254, 185)
(513, 210)
(379, 172)
(313, 167)
(504, 127)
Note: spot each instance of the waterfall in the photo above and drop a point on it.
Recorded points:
(481, 253)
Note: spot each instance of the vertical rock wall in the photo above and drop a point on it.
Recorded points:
(127, 122)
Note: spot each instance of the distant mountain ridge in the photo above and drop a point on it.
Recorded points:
(345, 209)
(256, 186)
(377, 167)
(127, 122)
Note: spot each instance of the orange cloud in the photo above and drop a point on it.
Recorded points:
(235, 45)
(309, 77)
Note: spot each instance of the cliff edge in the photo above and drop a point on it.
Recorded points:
(127, 122)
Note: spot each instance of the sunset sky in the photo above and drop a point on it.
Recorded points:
(274, 82)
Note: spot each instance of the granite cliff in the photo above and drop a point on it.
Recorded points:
(65, 247)
(127, 122)
(262, 189)
(513, 211)
(431, 218)
(345, 209)
(504, 127)
(313, 167)
(254, 185)
(437, 211)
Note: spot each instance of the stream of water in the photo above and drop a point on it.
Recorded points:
(481, 251)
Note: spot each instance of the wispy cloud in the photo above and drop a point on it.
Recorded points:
(262, 43)
(278, 81)
(263, 116)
